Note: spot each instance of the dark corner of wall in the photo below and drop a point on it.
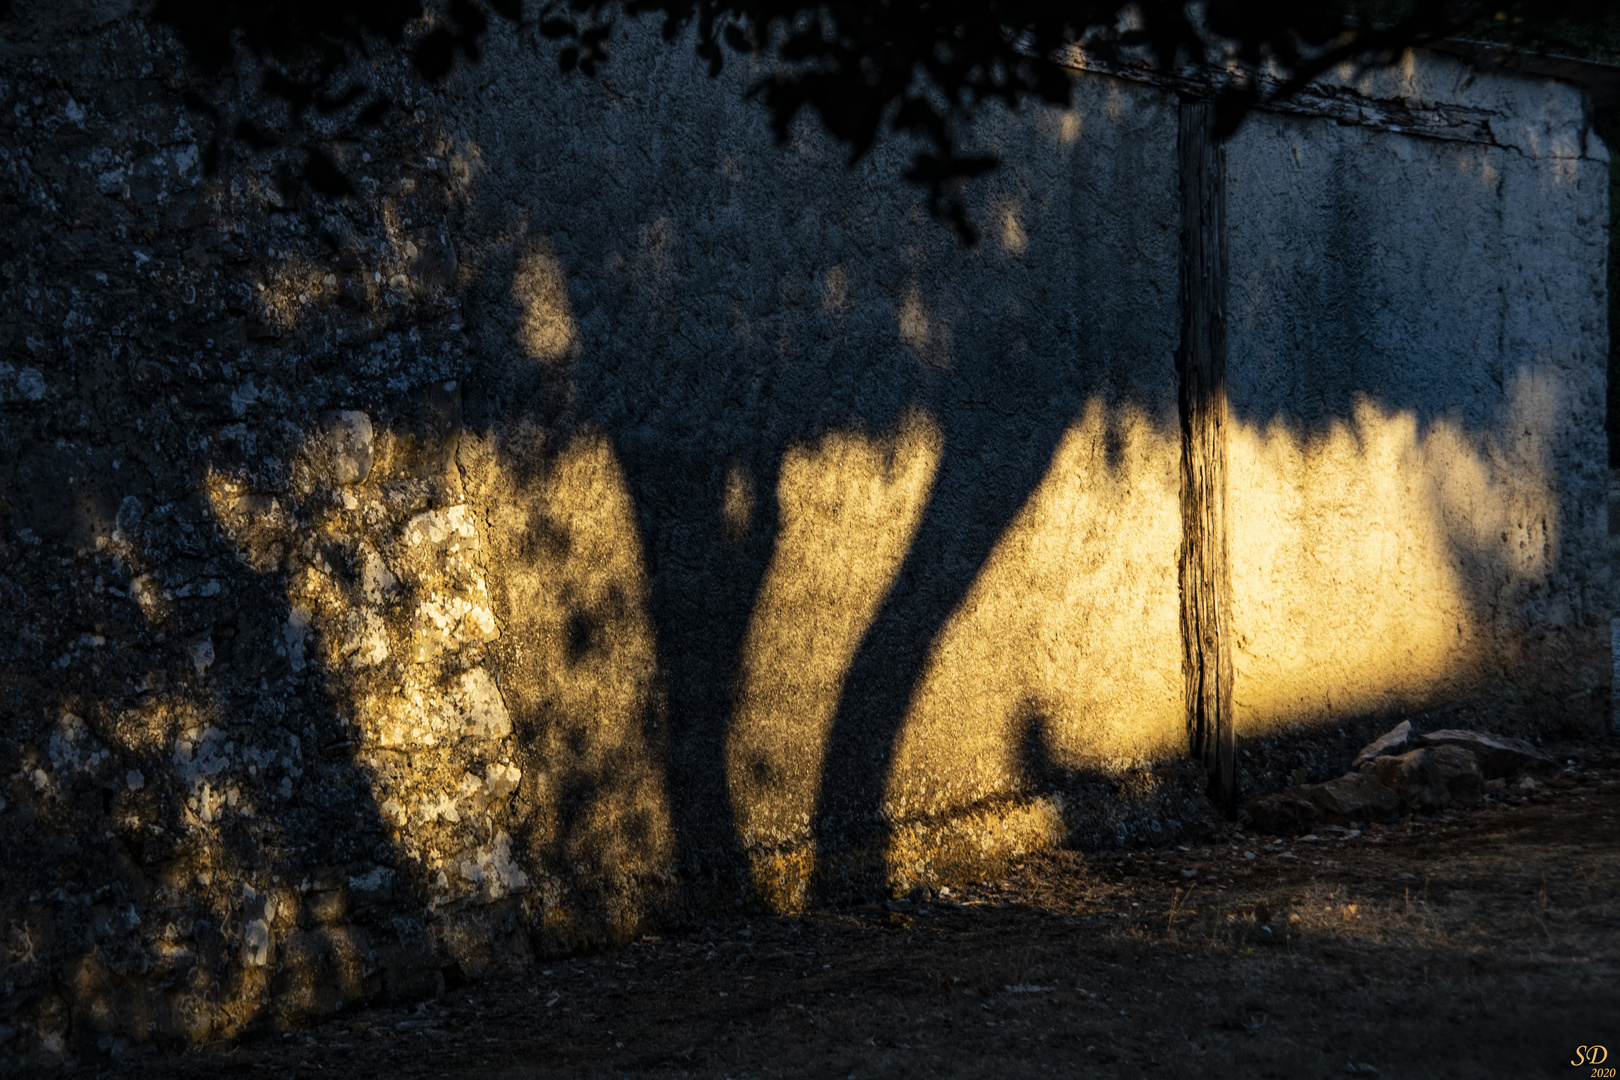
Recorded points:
(1606, 120)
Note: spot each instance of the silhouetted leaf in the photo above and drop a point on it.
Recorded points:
(434, 54)
(253, 135)
(295, 93)
(856, 65)
(1231, 106)
(374, 112)
(197, 103)
(326, 104)
(210, 156)
(469, 17)
(323, 175)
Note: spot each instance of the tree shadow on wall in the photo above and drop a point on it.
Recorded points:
(703, 421)
(208, 791)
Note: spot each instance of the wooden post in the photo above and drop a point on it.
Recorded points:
(1201, 386)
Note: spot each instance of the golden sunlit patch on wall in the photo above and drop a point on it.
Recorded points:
(291, 285)
(387, 602)
(737, 502)
(929, 338)
(178, 784)
(1013, 238)
(1364, 559)
(1408, 74)
(577, 659)
(780, 878)
(154, 602)
(109, 997)
(461, 163)
(256, 522)
(980, 842)
(1566, 159)
(1070, 127)
(913, 319)
(453, 592)
(545, 319)
(1069, 637)
(849, 508)
(492, 623)
(155, 721)
(834, 289)
(1114, 105)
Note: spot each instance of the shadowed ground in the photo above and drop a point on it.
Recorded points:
(1480, 943)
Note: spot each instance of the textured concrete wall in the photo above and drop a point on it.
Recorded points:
(854, 451)
(1417, 378)
(604, 512)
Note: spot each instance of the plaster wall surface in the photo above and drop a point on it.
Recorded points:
(603, 513)
(857, 451)
(1417, 359)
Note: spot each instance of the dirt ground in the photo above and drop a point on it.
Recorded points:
(1475, 943)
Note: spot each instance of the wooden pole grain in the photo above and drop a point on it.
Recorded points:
(1201, 393)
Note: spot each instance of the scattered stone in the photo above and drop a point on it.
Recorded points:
(1414, 777)
(1460, 772)
(502, 779)
(373, 889)
(348, 435)
(325, 908)
(1354, 797)
(31, 384)
(1393, 741)
(1397, 771)
(255, 943)
(202, 654)
(1498, 755)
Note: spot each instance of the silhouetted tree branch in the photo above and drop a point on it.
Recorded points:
(865, 69)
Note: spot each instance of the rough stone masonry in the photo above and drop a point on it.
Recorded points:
(602, 514)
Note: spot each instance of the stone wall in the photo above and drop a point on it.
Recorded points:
(604, 515)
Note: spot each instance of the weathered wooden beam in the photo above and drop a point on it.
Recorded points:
(1331, 98)
(1201, 385)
